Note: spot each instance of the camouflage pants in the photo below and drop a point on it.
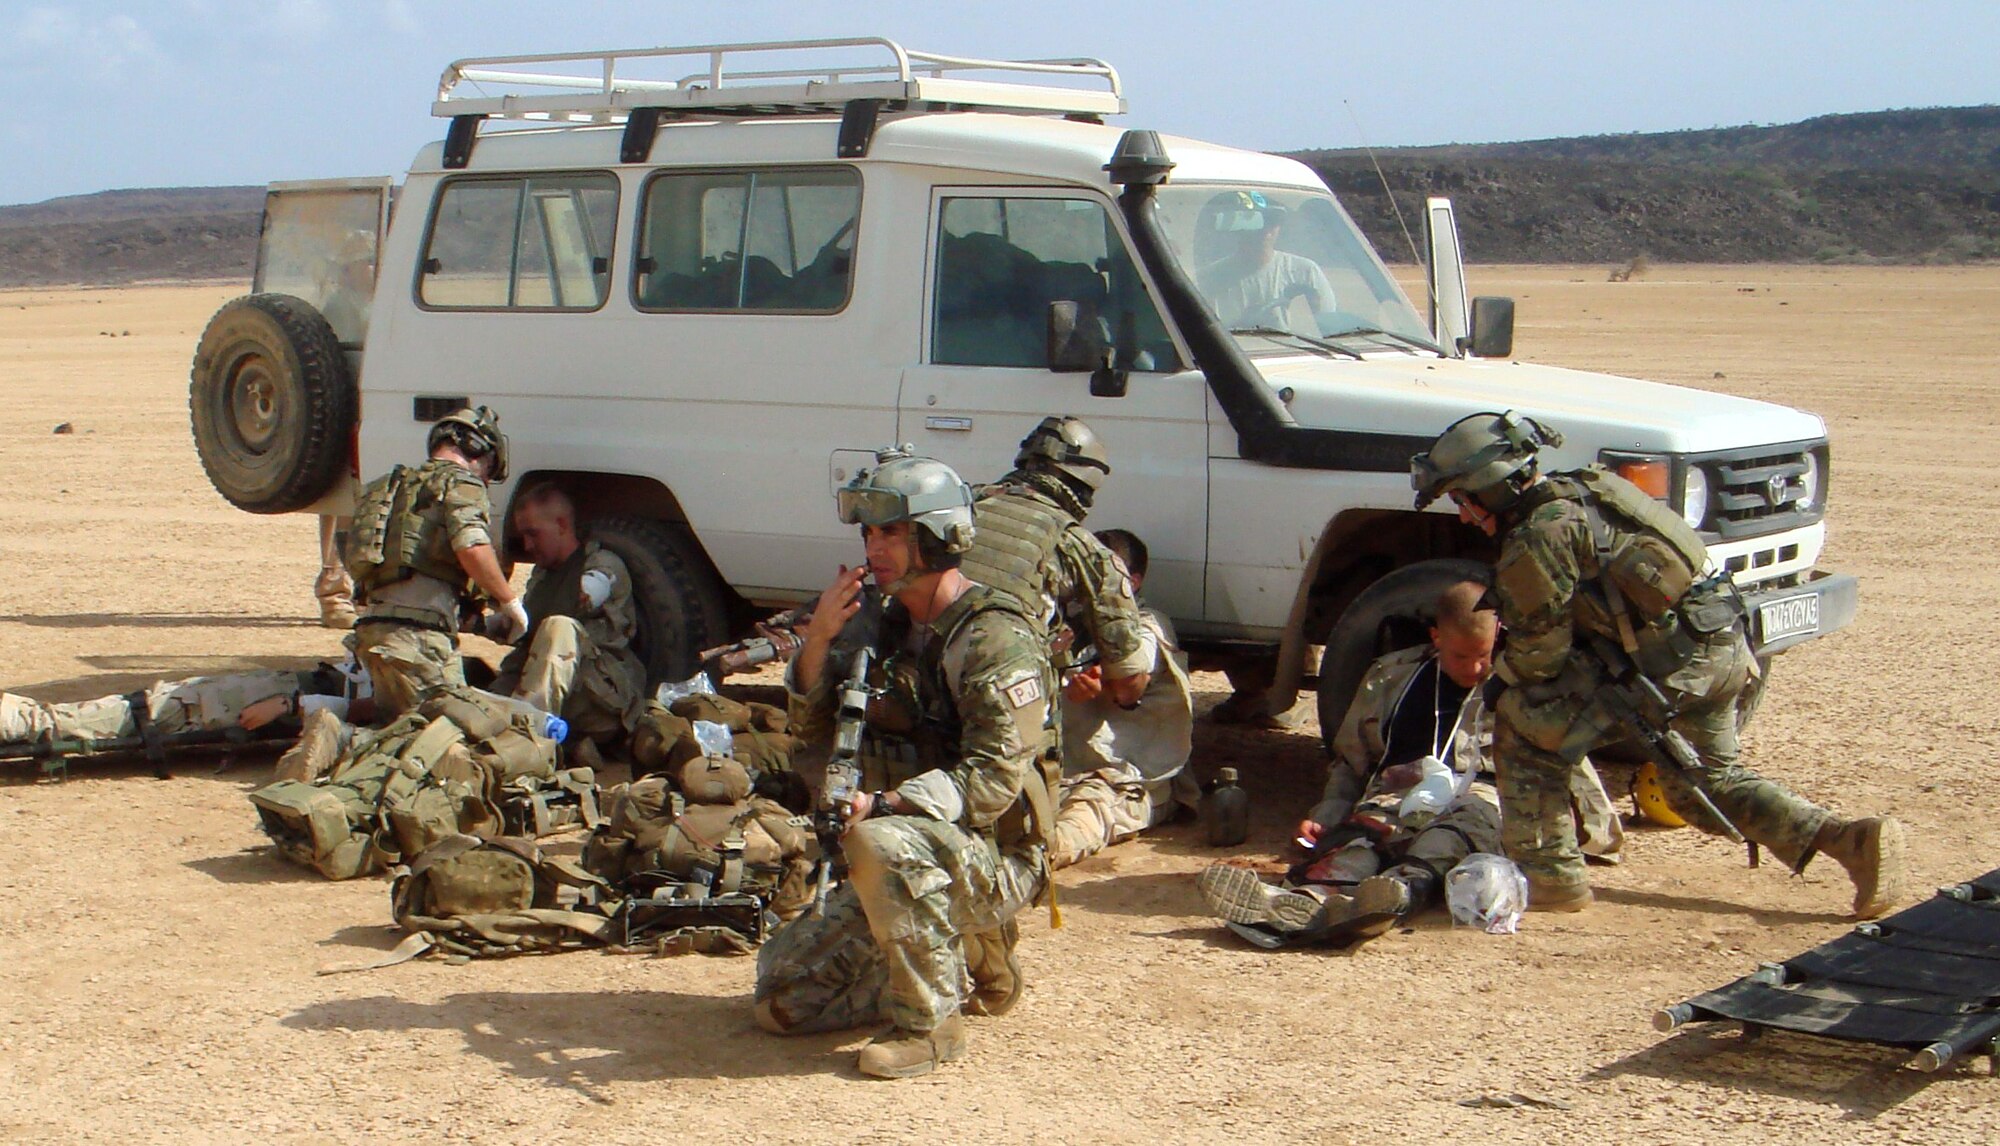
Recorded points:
(560, 652)
(1536, 744)
(406, 663)
(888, 946)
(203, 703)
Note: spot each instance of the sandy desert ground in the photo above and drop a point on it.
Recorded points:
(157, 964)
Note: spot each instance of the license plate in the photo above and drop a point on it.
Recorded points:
(1788, 616)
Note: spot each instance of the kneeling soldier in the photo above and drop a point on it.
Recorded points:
(945, 842)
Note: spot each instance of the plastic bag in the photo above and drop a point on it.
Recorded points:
(1487, 892)
(671, 691)
(715, 739)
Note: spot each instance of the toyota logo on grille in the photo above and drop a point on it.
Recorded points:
(1774, 490)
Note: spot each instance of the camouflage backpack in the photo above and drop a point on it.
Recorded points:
(484, 897)
(403, 787)
(711, 835)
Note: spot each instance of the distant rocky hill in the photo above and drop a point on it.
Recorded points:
(132, 236)
(1899, 186)
(1911, 186)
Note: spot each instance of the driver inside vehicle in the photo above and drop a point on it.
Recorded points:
(1256, 284)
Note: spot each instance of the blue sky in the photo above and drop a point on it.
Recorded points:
(147, 93)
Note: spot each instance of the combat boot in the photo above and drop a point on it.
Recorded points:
(1568, 897)
(1239, 895)
(318, 748)
(1872, 852)
(996, 971)
(897, 1053)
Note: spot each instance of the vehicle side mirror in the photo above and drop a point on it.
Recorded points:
(1492, 327)
(1079, 341)
(1076, 343)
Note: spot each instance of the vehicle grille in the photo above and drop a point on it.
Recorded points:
(1760, 491)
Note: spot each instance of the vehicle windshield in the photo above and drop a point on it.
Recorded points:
(1272, 261)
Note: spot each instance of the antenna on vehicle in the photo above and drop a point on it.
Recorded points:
(1430, 280)
(1363, 137)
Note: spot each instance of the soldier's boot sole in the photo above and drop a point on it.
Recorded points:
(898, 1053)
(1239, 895)
(1564, 897)
(996, 970)
(1873, 852)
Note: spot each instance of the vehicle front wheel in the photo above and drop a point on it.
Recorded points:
(683, 607)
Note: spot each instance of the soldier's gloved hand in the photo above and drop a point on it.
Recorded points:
(596, 588)
(508, 622)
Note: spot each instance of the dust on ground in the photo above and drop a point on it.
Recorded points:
(157, 964)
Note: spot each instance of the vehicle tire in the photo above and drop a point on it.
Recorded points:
(272, 404)
(1386, 616)
(682, 604)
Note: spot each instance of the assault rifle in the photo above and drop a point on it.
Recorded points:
(777, 639)
(1642, 711)
(843, 765)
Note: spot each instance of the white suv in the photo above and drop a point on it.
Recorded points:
(699, 301)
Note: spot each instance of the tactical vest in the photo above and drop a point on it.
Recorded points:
(1649, 571)
(1033, 817)
(399, 528)
(1014, 536)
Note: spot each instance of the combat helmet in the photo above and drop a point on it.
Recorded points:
(924, 491)
(1070, 449)
(1491, 457)
(476, 434)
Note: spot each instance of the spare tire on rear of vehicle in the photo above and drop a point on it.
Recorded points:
(272, 403)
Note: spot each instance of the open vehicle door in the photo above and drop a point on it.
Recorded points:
(1449, 306)
(322, 242)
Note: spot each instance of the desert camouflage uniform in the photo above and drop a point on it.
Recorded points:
(575, 661)
(1074, 579)
(198, 704)
(1549, 585)
(1356, 787)
(891, 942)
(407, 637)
(1124, 771)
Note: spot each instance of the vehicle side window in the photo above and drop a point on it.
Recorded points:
(1002, 261)
(541, 242)
(780, 240)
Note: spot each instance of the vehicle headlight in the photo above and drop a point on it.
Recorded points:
(1809, 483)
(1694, 496)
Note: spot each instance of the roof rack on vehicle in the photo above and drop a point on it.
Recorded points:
(904, 79)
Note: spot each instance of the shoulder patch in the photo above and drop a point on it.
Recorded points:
(1023, 692)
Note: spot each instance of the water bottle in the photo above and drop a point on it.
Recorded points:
(1225, 811)
(1431, 795)
(553, 727)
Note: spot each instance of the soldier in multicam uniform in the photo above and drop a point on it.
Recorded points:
(422, 555)
(1584, 554)
(945, 843)
(576, 660)
(1031, 543)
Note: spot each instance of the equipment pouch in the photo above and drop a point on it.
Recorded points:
(1649, 574)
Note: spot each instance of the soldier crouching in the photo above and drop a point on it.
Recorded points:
(945, 841)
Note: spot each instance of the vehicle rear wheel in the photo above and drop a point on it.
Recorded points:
(682, 604)
(1393, 613)
(271, 402)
